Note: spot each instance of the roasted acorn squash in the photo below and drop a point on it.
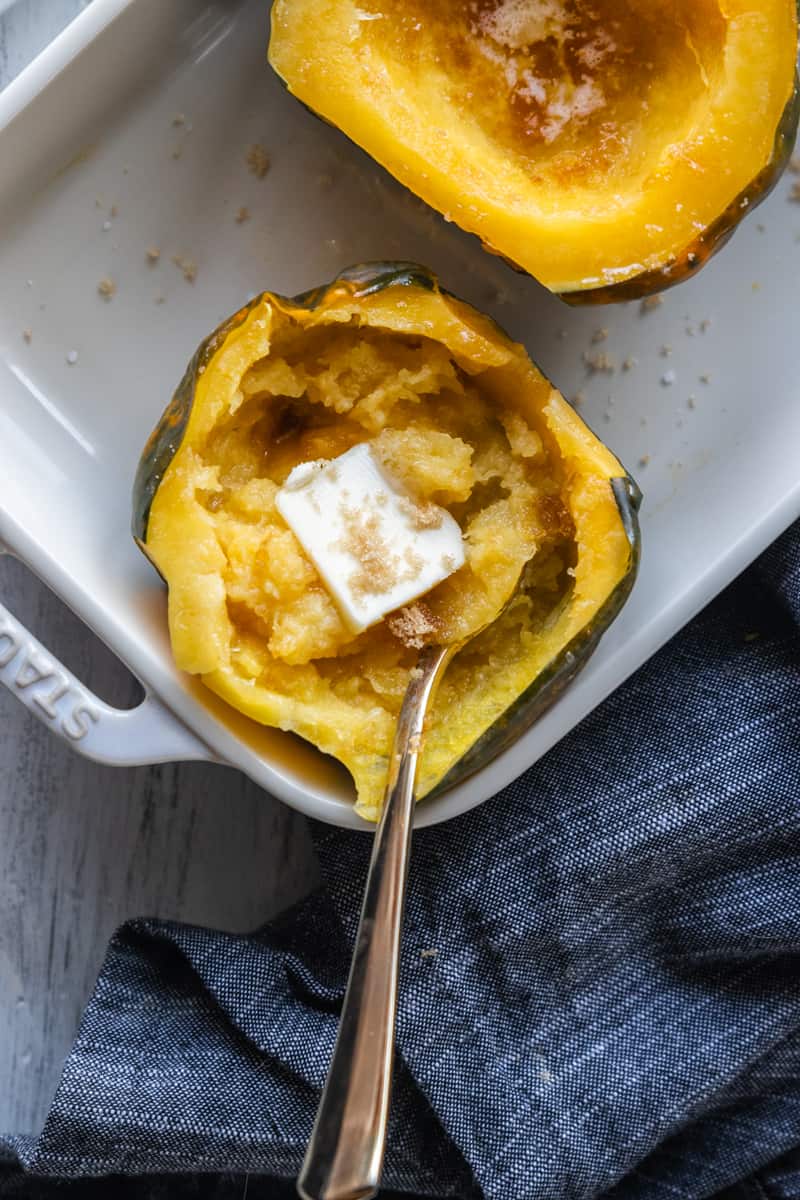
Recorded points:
(459, 413)
(606, 148)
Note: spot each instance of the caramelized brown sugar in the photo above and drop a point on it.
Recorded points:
(460, 418)
(592, 143)
(574, 89)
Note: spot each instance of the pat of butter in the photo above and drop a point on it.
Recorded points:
(373, 546)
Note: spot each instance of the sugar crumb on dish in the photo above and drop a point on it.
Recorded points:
(242, 215)
(794, 192)
(650, 303)
(71, 357)
(153, 255)
(794, 164)
(186, 266)
(178, 120)
(599, 363)
(599, 335)
(27, 336)
(644, 460)
(692, 402)
(578, 399)
(705, 377)
(668, 378)
(629, 363)
(258, 161)
(106, 288)
(665, 351)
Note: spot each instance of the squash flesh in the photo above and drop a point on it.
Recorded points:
(405, 368)
(589, 145)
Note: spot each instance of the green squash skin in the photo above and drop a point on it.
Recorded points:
(364, 280)
(165, 440)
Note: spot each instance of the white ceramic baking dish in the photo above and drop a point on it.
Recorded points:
(131, 131)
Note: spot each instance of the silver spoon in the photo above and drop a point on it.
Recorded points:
(345, 1155)
(344, 1158)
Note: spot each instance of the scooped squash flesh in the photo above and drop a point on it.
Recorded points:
(605, 148)
(462, 418)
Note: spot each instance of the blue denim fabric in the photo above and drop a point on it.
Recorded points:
(613, 1005)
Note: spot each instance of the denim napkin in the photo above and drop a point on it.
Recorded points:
(601, 972)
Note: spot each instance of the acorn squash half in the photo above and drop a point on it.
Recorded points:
(461, 416)
(606, 148)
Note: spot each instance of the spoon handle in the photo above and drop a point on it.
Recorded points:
(345, 1155)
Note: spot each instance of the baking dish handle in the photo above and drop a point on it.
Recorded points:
(148, 733)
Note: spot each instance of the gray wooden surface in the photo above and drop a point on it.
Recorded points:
(83, 847)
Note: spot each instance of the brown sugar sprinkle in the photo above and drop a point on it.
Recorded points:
(242, 215)
(794, 192)
(629, 363)
(644, 460)
(258, 160)
(650, 303)
(599, 335)
(415, 625)
(186, 266)
(27, 336)
(421, 516)
(114, 211)
(152, 254)
(415, 563)
(106, 288)
(377, 569)
(578, 399)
